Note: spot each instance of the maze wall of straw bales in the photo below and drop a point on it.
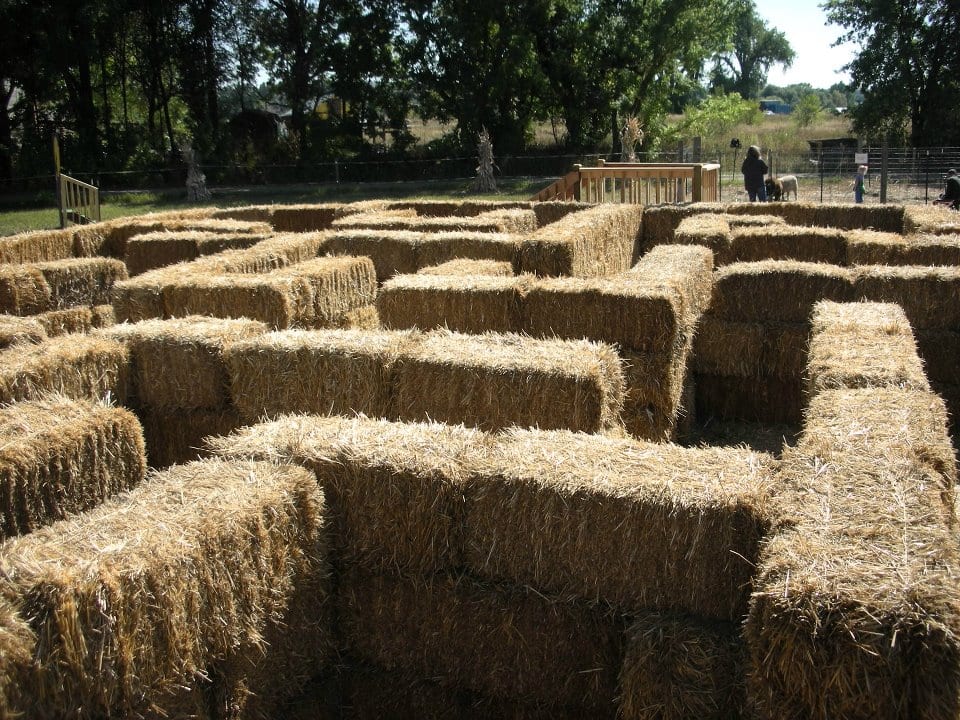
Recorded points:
(420, 459)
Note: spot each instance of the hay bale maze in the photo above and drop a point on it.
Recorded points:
(477, 459)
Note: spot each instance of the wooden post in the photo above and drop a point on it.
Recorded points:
(884, 157)
(698, 183)
(56, 177)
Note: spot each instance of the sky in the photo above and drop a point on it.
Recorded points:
(807, 31)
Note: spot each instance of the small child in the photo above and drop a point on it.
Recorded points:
(858, 183)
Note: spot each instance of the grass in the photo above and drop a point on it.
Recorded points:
(139, 203)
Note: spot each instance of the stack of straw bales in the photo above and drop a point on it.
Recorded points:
(60, 456)
(507, 567)
(404, 251)
(15, 329)
(315, 292)
(855, 612)
(750, 349)
(489, 381)
(201, 593)
(38, 246)
(179, 383)
(866, 247)
(604, 240)
(77, 366)
(859, 345)
(156, 249)
(649, 313)
(58, 284)
(510, 221)
(77, 319)
(661, 222)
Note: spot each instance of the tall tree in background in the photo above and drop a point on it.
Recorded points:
(908, 65)
(605, 57)
(754, 49)
(475, 63)
(202, 67)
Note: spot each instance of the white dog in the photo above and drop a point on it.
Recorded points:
(789, 186)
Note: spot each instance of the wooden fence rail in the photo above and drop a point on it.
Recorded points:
(79, 202)
(637, 183)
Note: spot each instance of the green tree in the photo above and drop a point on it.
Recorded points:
(605, 57)
(807, 110)
(754, 49)
(719, 113)
(908, 65)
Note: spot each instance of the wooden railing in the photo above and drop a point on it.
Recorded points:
(79, 202)
(637, 183)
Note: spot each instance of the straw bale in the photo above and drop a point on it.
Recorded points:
(118, 232)
(778, 290)
(178, 364)
(180, 583)
(636, 524)
(462, 303)
(745, 221)
(788, 242)
(940, 350)
(865, 247)
(882, 218)
(92, 240)
(23, 290)
(323, 371)
(37, 246)
(652, 308)
(365, 317)
(709, 230)
(930, 296)
(750, 349)
(81, 281)
(653, 394)
(403, 251)
(77, 319)
(395, 490)
(768, 438)
(551, 212)
(157, 249)
(503, 642)
(449, 208)
(16, 645)
(142, 297)
(276, 252)
(315, 293)
(496, 380)
(855, 345)
(603, 240)
(441, 247)
(392, 252)
(933, 219)
(61, 456)
(464, 266)
(78, 366)
(855, 611)
(661, 221)
(303, 218)
(15, 329)
(759, 398)
(247, 213)
(175, 436)
(677, 667)
(509, 221)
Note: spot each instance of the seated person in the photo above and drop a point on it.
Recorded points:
(951, 192)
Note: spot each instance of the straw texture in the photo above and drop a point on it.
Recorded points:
(61, 456)
(177, 585)
(78, 366)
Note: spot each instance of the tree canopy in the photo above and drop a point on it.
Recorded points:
(908, 66)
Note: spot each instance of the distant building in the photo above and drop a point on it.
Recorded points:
(775, 106)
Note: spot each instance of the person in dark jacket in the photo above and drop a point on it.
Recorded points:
(753, 169)
(951, 191)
